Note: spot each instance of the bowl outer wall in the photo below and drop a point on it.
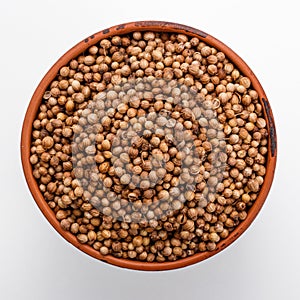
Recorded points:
(157, 26)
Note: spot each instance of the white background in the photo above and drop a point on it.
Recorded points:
(36, 263)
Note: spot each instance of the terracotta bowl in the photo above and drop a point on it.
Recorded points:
(124, 29)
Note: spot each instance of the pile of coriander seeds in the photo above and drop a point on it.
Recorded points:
(150, 146)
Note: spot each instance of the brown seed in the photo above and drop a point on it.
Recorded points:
(167, 251)
(147, 165)
(104, 250)
(125, 179)
(70, 105)
(47, 142)
(64, 71)
(157, 55)
(89, 60)
(105, 145)
(261, 123)
(82, 238)
(137, 241)
(145, 184)
(189, 225)
(206, 51)
(253, 185)
(233, 139)
(245, 81)
(193, 214)
(118, 57)
(163, 195)
(133, 153)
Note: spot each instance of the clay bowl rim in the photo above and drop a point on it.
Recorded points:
(157, 26)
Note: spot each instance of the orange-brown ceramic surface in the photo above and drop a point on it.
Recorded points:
(77, 50)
